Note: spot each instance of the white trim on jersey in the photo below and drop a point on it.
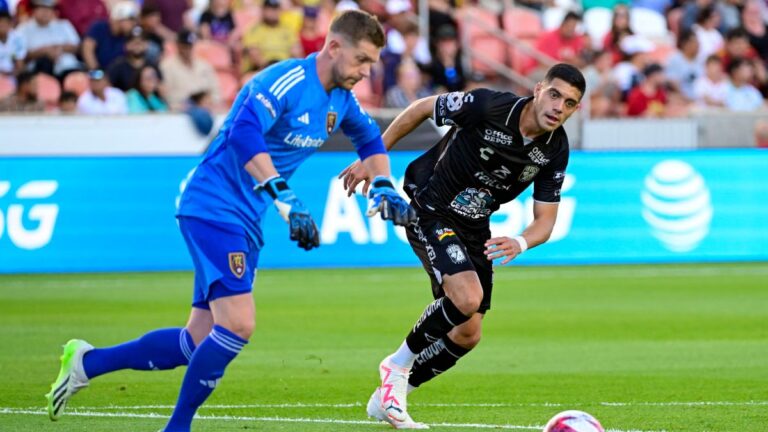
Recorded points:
(288, 84)
(506, 123)
(291, 73)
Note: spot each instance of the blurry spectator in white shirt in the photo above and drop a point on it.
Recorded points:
(51, 42)
(101, 99)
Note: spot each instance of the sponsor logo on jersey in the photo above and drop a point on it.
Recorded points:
(490, 181)
(456, 254)
(473, 203)
(267, 104)
(299, 140)
(529, 172)
(497, 137)
(538, 157)
(330, 121)
(559, 176)
(237, 264)
(304, 118)
(443, 233)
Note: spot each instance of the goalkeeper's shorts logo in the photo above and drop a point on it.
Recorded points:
(237, 263)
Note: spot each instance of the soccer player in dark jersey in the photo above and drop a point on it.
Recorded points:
(498, 145)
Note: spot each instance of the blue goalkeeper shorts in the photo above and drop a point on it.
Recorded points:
(224, 256)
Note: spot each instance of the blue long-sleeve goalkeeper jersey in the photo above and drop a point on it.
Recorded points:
(286, 109)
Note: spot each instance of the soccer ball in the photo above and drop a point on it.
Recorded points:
(573, 421)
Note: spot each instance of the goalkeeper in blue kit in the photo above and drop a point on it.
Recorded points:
(278, 120)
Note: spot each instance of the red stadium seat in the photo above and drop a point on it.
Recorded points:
(76, 82)
(214, 53)
(520, 22)
(7, 86)
(48, 90)
(473, 22)
(228, 87)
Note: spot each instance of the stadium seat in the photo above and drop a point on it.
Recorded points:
(246, 17)
(552, 17)
(648, 23)
(597, 23)
(228, 87)
(214, 53)
(76, 82)
(7, 86)
(48, 90)
(473, 22)
(521, 23)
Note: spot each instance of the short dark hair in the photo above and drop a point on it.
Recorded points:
(67, 96)
(356, 25)
(684, 37)
(571, 15)
(736, 33)
(4, 14)
(25, 77)
(737, 63)
(569, 74)
(713, 58)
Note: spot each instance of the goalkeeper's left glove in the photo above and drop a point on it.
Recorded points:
(302, 226)
(384, 199)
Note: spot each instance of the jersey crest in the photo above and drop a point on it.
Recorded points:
(237, 264)
(529, 172)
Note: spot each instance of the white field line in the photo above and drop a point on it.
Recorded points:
(446, 405)
(78, 413)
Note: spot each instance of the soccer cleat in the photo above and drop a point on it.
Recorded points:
(375, 410)
(392, 393)
(71, 377)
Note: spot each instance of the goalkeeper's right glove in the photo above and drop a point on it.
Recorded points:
(303, 228)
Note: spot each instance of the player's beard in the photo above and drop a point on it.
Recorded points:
(343, 81)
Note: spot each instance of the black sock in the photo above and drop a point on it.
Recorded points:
(435, 359)
(437, 320)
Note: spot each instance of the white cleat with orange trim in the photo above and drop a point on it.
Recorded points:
(388, 402)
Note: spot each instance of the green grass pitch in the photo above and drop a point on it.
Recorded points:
(643, 348)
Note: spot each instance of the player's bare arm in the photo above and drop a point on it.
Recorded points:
(402, 125)
(538, 232)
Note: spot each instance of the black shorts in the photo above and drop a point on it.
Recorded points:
(444, 250)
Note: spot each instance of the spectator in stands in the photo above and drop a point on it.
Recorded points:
(154, 32)
(172, 12)
(51, 42)
(122, 72)
(711, 89)
(269, 41)
(737, 46)
(13, 51)
(311, 37)
(100, 98)
(756, 28)
(400, 16)
(619, 29)
(446, 70)
(692, 10)
(599, 73)
(441, 12)
(710, 39)
(82, 13)
(648, 98)
(409, 87)
(391, 61)
(25, 99)
(105, 40)
(565, 43)
(184, 74)
(682, 66)
(742, 95)
(198, 108)
(216, 23)
(628, 73)
(145, 95)
(68, 103)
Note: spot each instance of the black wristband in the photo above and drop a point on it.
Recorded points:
(275, 185)
(382, 182)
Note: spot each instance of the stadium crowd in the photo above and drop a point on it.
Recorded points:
(647, 58)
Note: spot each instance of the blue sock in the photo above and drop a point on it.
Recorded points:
(157, 350)
(205, 369)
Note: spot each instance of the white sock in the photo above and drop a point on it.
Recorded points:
(404, 357)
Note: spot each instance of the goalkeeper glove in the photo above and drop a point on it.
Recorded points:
(384, 199)
(303, 228)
